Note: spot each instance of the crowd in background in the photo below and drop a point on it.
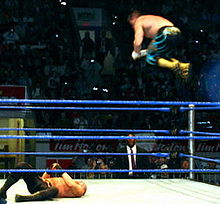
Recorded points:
(37, 51)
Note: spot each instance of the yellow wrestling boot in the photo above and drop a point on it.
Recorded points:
(182, 69)
(185, 68)
(169, 64)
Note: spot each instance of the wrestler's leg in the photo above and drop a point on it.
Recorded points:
(46, 194)
(167, 63)
(8, 183)
(184, 69)
(31, 179)
(12, 179)
(39, 190)
(180, 68)
(154, 57)
(161, 49)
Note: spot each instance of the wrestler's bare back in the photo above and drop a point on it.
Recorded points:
(151, 24)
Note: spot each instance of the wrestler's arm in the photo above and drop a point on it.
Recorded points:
(54, 166)
(138, 37)
(68, 180)
(45, 175)
(74, 185)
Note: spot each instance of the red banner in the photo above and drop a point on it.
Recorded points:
(13, 92)
(66, 163)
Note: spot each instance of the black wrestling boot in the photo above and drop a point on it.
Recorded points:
(8, 183)
(38, 196)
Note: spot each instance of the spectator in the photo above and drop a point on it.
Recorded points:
(12, 5)
(91, 165)
(212, 178)
(161, 161)
(108, 71)
(185, 165)
(101, 164)
(163, 175)
(79, 162)
(11, 37)
(81, 87)
(24, 79)
(63, 121)
(174, 162)
(93, 76)
(80, 122)
(53, 80)
(37, 91)
(88, 46)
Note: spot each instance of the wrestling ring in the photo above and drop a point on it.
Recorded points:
(112, 191)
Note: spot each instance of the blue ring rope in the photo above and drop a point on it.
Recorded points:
(112, 170)
(85, 130)
(201, 158)
(116, 102)
(86, 108)
(66, 137)
(198, 132)
(83, 154)
(101, 102)
(182, 109)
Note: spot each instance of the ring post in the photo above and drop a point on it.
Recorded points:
(191, 126)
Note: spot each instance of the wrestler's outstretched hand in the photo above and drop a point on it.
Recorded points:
(55, 166)
(136, 55)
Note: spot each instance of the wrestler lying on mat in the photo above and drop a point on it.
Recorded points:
(45, 187)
